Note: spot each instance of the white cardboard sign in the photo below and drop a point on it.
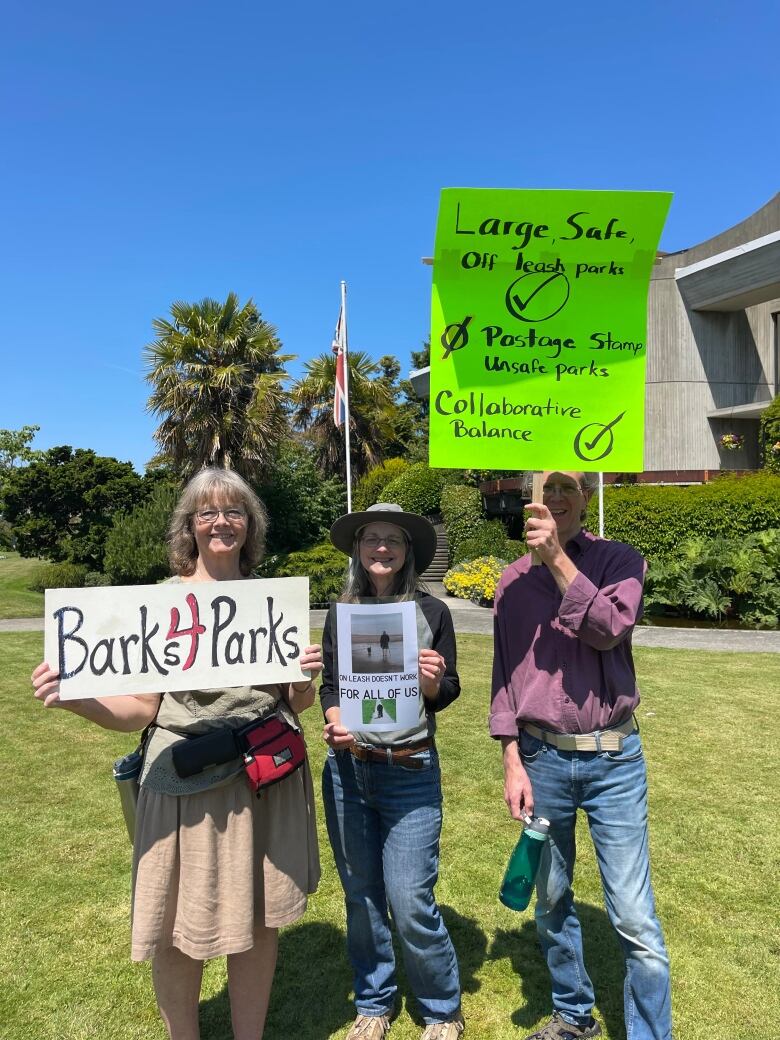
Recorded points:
(378, 679)
(187, 636)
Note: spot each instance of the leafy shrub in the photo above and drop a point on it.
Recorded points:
(7, 539)
(418, 489)
(488, 539)
(58, 576)
(136, 553)
(657, 520)
(475, 579)
(323, 564)
(461, 510)
(720, 577)
(515, 549)
(370, 488)
(96, 580)
(301, 503)
(769, 436)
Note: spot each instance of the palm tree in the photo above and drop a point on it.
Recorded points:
(372, 414)
(217, 385)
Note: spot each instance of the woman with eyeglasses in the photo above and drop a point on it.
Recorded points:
(216, 871)
(382, 788)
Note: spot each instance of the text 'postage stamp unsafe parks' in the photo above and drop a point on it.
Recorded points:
(539, 327)
(194, 635)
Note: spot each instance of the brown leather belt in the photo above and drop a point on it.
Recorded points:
(599, 740)
(390, 755)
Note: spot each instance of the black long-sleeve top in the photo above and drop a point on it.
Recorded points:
(435, 630)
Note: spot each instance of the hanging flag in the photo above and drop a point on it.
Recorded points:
(339, 349)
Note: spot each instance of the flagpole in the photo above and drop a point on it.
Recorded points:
(346, 397)
(601, 505)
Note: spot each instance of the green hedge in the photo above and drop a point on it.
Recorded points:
(58, 576)
(418, 490)
(324, 565)
(487, 539)
(370, 488)
(461, 510)
(657, 520)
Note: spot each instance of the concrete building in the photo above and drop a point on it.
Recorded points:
(713, 350)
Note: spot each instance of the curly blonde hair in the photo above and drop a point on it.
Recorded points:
(206, 488)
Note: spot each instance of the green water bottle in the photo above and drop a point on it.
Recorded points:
(518, 883)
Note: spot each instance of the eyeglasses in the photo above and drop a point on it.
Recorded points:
(569, 490)
(232, 515)
(391, 542)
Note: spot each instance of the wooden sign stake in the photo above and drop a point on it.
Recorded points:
(536, 496)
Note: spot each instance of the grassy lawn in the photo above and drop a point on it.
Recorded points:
(709, 724)
(16, 600)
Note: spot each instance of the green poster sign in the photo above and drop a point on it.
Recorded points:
(538, 328)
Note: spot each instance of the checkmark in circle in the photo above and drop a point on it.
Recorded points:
(537, 296)
(596, 440)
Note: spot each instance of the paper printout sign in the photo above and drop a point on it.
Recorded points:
(189, 636)
(538, 327)
(378, 680)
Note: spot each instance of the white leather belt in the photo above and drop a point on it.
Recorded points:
(599, 740)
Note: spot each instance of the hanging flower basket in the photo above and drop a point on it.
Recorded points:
(732, 441)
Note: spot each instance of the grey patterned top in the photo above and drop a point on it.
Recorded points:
(193, 713)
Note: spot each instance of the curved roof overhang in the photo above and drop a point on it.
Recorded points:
(737, 278)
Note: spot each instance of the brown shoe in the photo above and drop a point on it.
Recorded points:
(559, 1029)
(445, 1030)
(369, 1027)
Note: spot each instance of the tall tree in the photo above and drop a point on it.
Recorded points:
(15, 447)
(217, 376)
(62, 504)
(372, 413)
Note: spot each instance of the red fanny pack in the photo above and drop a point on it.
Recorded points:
(272, 750)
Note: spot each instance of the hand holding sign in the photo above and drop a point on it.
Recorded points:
(541, 532)
(432, 668)
(334, 734)
(46, 687)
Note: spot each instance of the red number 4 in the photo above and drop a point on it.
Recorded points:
(194, 631)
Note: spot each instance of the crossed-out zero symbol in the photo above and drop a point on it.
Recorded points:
(455, 336)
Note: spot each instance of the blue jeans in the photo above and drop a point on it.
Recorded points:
(384, 823)
(611, 787)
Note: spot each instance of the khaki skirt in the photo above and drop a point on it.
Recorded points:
(209, 867)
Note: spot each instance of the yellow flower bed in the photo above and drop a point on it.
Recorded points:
(475, 579)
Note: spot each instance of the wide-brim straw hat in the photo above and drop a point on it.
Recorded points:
(420, 531)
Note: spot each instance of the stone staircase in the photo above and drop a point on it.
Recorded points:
(439, 565)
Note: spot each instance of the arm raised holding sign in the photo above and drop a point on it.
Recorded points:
(206, 852)
(563, 703)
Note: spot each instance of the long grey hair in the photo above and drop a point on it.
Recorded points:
(358, 585)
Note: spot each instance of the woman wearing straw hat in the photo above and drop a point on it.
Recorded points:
(382, 789)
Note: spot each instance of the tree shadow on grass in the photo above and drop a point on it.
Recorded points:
(311, 996)
(603, 959)
(470, 944)
(311, 990)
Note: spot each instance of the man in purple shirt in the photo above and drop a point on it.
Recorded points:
(564, 692)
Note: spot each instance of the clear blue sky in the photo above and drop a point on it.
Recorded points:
(155, 152)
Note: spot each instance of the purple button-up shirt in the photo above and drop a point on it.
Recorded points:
(564, 662)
